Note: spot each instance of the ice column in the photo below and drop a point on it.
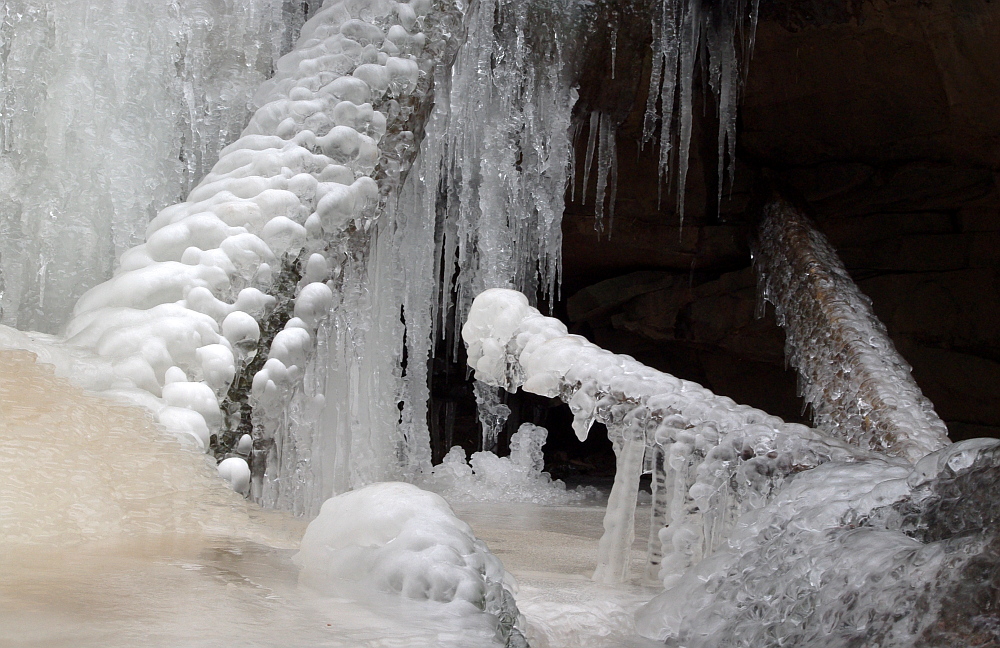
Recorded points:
(857, 384)
(720, 459)
(110, 111)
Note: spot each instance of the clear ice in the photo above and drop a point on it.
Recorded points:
(850, 374)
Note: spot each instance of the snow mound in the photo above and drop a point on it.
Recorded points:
(395, 538)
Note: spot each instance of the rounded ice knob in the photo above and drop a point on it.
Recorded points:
(245, 444)
(236, 471)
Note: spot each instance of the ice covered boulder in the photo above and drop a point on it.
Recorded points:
(394, 538)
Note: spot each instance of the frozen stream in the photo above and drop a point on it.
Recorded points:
(116, 536)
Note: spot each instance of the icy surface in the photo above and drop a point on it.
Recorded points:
(711, 459)
(221, 311)
(396, 538)
(872, 553)
(850, 373)
(107, 114)
(489, 478)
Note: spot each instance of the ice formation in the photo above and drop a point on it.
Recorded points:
(683, 32)
(398, 539)
(485, 477)
(191, 315)
(711, 459)
(850, 373)
(878, 553)
(106, 115)
(764, 532)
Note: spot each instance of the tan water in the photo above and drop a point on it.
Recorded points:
(112, 535)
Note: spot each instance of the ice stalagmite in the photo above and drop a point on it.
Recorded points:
(859, 387)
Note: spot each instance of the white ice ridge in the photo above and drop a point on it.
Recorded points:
(711, 459)
(185, 312)
(858, 385)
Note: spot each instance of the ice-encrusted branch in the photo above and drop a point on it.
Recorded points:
(711, 458)
(232, 284)
(850, 373)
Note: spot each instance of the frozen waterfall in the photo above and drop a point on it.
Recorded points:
(299, 229)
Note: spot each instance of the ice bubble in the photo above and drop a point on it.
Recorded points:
(245, 444)
(313, 303)
(195, 396)
(236, 471)
(240, 329)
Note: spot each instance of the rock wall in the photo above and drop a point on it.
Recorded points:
(885, 117)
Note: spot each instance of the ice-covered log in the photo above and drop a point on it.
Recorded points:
(717, 459)
(850, 373)
(221, 307)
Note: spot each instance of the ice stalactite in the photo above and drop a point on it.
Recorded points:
(683, 32)
(107, 114)
(505, 155)
(720, 459)
(850, 373)
(601, 138)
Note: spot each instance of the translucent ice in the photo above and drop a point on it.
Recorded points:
(850, 373)
(712, 459)
(489, 478)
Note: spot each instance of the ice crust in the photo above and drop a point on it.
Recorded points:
(850, 373)
(485, 477)
(872, 553)
(107, 114)
(711, 459)
(398, 539)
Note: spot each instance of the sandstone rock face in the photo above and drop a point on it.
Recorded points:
(885, 117)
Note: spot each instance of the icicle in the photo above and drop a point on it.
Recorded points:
(614, 551)
(683, 30)
(492, 413)
(595, 124)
